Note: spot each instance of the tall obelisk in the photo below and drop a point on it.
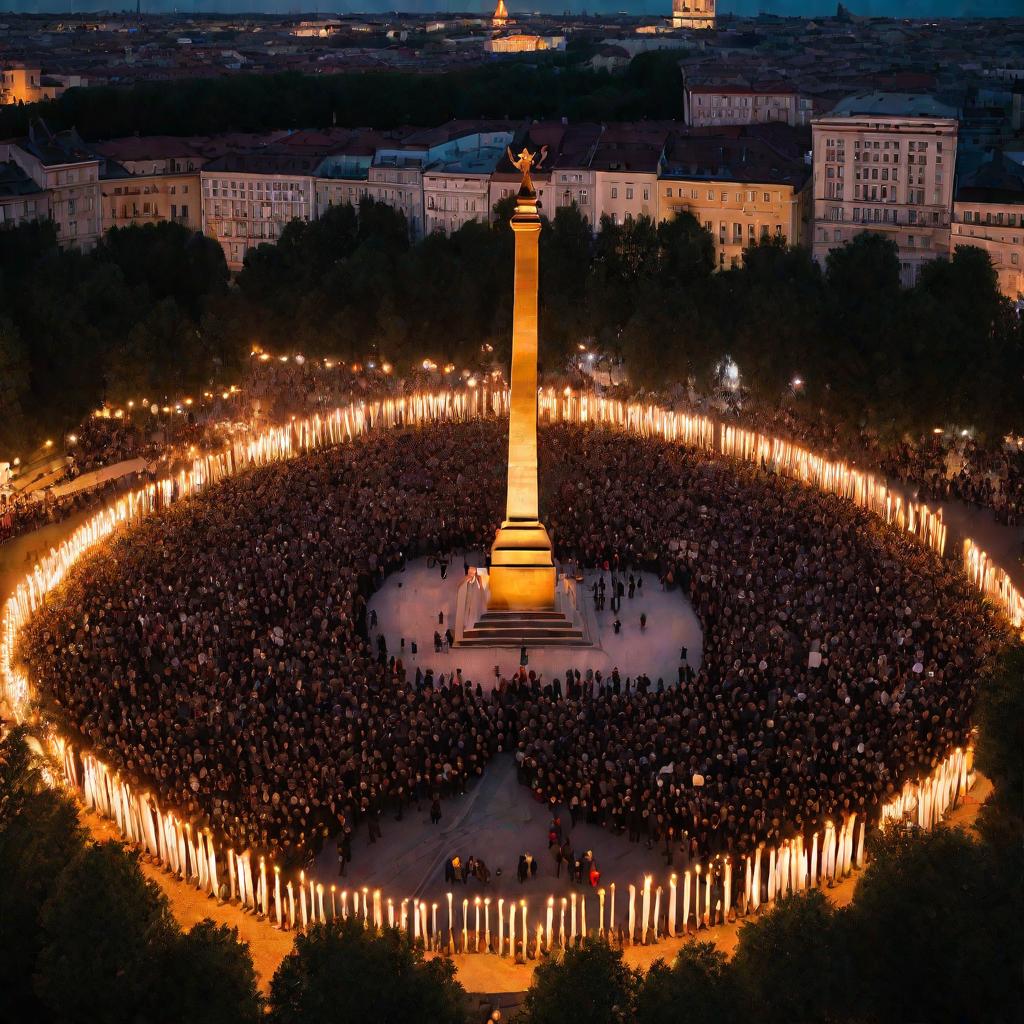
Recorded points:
(522, 574)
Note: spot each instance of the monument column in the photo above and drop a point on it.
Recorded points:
(522, 575)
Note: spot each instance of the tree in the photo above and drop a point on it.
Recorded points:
(39, 834)
(934, 932)
(999, 714)
(343, 973)
(687, 250)
(15, 430)
(105, 931)
(789, 965)
(206, 976)
(698, 988)
(588, 985)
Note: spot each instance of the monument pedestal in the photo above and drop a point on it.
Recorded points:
(522, 575)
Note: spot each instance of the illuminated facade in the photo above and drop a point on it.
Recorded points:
(693, 14)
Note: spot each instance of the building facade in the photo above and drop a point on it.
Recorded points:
(989, 213)
(63, 167)
(739, 189)
(247, 199)
(693, 14)
(885, 163)
(713, 106)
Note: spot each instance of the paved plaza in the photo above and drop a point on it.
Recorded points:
(409, 603)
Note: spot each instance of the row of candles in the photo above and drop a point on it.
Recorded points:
(192, 853)
(704, 896)
(781, 456)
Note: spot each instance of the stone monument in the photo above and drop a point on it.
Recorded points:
(521, 600)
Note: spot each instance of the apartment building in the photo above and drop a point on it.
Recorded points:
(248, 198)
(885, 162)
(151, 180)
(740, 188)
(626, 163)
(989, 213)
(716, 105)
(457, 175)
(21, 199)
(693, 14)
(62, 166)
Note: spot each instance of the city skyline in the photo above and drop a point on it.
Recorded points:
(745, 8)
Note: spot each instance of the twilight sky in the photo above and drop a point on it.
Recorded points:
(891, 8)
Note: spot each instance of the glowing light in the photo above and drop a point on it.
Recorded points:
(49, 443)
(797, 383)
(386, 367)
(471, 382)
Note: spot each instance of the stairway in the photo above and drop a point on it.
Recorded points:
(523, 628)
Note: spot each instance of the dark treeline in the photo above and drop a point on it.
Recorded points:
(932, 934)
(150, 313)
(555, 86)
(870, 353)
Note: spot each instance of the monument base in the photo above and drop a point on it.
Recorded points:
(522, 576)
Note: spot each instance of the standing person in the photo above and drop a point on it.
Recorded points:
(556, 854)
(632, 586)
(442, 561)
(344, 849)
(522, 869)
(643, 621)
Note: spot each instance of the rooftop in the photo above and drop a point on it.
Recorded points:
(892, 104)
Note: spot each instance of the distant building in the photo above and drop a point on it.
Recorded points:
(21, 199)
(738, 186)
(62, 166)
(521, 42)
(500, 17)
(625, 163)
(248, 198)
(989, 213)
(884, 162)
(693, 14)
(456, 186)
(30, 85)
(151, 180)
(711, 105)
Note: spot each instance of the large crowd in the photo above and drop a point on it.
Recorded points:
(222, 655)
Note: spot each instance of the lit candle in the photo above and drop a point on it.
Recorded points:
(657, 911)
(231, 872)
(263, 888)
(611, 910)
(572, 920)
(645, 906)
(672, 906)
(291, 907)
(600, 911)
(860, 843)
(344, 904)
(583, 915)
(632, 912)
(707, 897)
(465, 926)
(433, 923)
(366, 908)
(403, 919)
(451, 926)
(512, 928)
(696, 898)
(423, 924)
(487, 923)
(526, 931)
(728, 888)
(814, 860)
(378, 910)
(501, 927)
(277, 895)
(334, 903)
(476, 922)
(415, 920)
(756, 891)
(320, 901)
(561, 923)
(391, 912)
(302, 893)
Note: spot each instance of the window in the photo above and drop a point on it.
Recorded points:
(647, 195)
(767, 197)
(615, 192)
(629, 193)
(711, 194)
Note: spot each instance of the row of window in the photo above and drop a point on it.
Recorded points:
(692, 193)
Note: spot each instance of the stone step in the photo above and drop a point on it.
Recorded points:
(523, 641)
(534, 616)
(475, 633)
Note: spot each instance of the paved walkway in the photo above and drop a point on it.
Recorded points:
(409, 602)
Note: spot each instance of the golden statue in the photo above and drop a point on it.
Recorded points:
(523, 163)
